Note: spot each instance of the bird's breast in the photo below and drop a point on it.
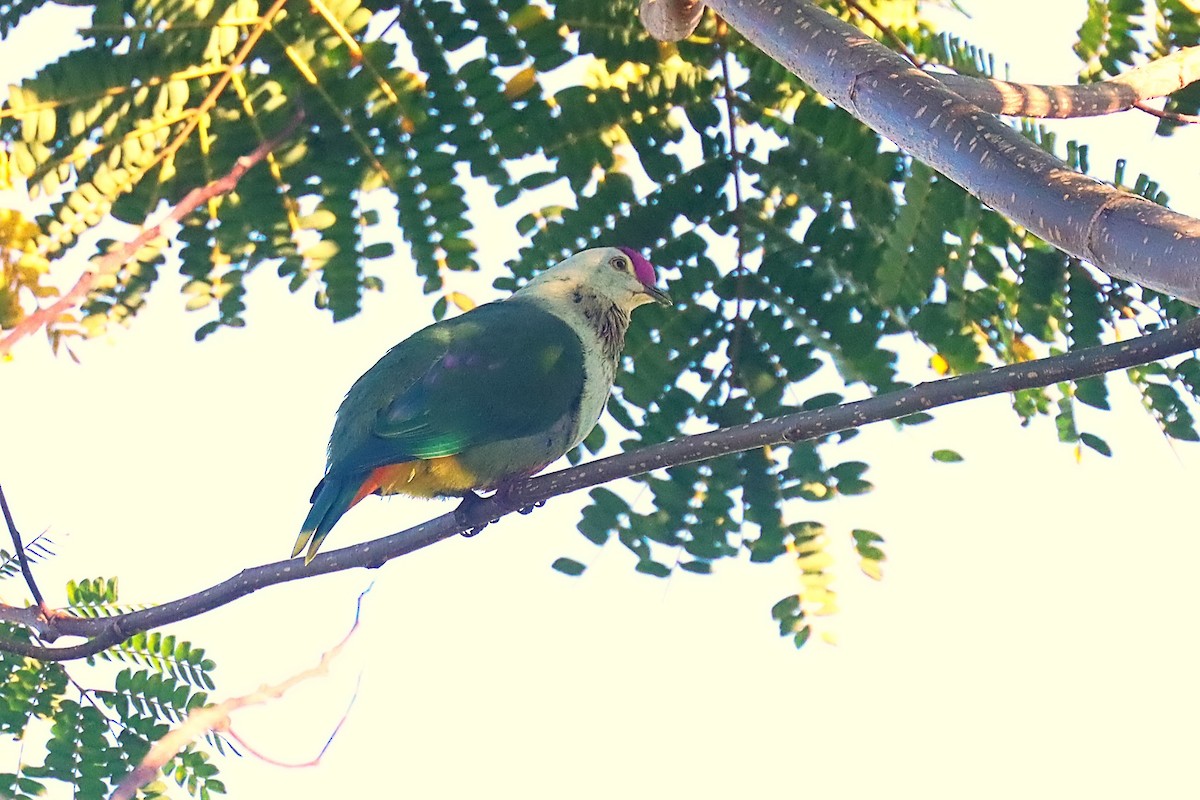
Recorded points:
(600, 326)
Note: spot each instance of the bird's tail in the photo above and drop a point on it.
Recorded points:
(332, 498)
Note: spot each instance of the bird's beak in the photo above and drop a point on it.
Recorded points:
(658, 295)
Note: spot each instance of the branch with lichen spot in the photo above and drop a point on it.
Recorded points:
(105, 632)
(114, 259)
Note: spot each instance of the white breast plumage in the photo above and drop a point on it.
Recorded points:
(601, 331)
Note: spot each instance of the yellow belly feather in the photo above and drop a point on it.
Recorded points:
(432, 477)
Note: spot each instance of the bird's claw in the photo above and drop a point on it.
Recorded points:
(462, 515)
(475, 531)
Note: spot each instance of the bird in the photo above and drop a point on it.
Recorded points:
(481, 400)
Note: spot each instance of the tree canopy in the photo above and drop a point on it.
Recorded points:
(802, 247)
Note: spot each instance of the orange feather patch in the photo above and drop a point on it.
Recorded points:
(432, 477)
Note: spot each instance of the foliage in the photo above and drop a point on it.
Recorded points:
(802, 249)
(93, 737)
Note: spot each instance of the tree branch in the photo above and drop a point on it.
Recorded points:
(113, 260)
(19, 550)
(105, 632)
(216, 717)
(262, 24)
(1120, 233)
(1130, 90)
(887, 32)
(671, 20)
(1170, 116)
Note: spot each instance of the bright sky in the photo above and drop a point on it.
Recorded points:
(1033, 636)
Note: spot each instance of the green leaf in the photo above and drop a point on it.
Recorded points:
(946, 456)
(654, 568)
(1096, 443)
(568, 566)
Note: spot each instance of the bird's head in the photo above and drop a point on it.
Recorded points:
(620, 274)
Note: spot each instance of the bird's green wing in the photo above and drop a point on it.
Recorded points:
(505, 370)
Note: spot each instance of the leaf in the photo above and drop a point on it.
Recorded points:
(1096, 443)
(568, 566)
(647, 567)
(946, 456)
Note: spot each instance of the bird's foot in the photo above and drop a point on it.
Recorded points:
(529, 508)
(504, 493)
(463, 514)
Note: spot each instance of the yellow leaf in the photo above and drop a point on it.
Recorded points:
(813, 598)
(5, 172)
(872, 569)
(1022, 351)
(94, 324)
(815, 581)
(460, 301)
(520, 83)
(940, 365)
(827, 610)
(829, 606)
(829, 637)
(526, 17)
(815, 562)
(806, 547)
(47, 124)
(319, 220)
(817, 490)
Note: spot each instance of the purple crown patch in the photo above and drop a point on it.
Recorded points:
(642, 268)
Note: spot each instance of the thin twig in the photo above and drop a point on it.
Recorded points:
(112, 261)
(21, 557)
(735, 158)
(45, 316)
(315, 760)
(210, 99)
(1171, 116)
(103, 633)
(216, 718)
(888, 33)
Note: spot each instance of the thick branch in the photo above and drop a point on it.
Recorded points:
(106, 632)
(1120, 233)
(671, 20)
(113, 260)
(1159, 78)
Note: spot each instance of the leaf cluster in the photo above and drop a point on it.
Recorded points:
(95, 736)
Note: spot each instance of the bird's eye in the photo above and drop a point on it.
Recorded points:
(619, 263)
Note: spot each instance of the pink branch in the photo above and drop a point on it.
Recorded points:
(113, 260)
(216, 718)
